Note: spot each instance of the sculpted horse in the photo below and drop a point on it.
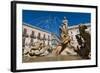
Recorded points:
(84, 41)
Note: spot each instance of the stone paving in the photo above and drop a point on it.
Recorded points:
(27, 59)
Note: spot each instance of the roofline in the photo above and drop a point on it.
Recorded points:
(36, 27)
(77, 26)
(71, 27)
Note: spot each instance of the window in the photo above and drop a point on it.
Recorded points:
(77, 31)
(25, 33)
(48, 38)
(44, 37)
(32, 35)
(39, 35)
(23, 42)
(24, 37)
(71, 32)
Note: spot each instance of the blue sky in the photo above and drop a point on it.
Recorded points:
(51, 21)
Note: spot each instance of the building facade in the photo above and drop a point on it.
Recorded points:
(33, 34)
(74, 30)
(34, 37)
